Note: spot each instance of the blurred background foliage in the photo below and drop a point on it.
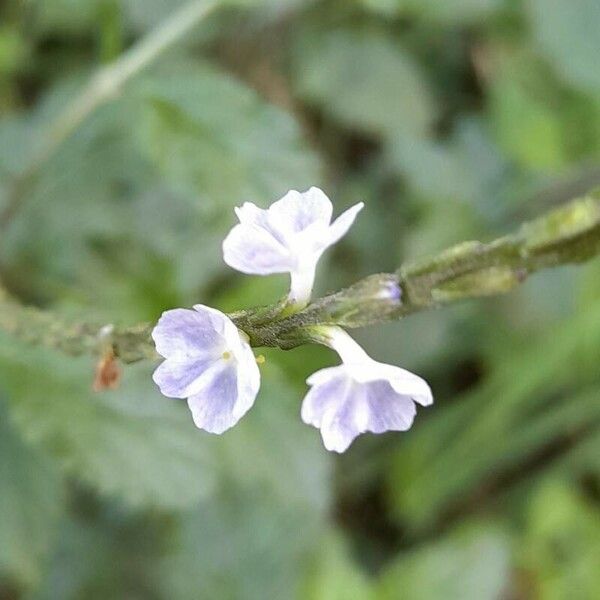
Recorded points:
(452, 120)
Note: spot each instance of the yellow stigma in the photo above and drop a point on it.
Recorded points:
(260, 359)
(226, 355)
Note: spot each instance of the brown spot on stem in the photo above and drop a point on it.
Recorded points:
(108, 373)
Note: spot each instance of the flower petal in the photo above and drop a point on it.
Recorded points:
(403, 381)
(374, 407)
(248, 375)
(344, 421)
(337, 406)
(328, 385)
(250, 214)
(388, 410)
(324, 375)
(340, 226)
(220, 403)
(185, 333)
(357, 397)
(414, 386)
(296, 211)
(179, 378)
(253, 250)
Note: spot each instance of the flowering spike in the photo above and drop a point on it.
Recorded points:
(360, 395)
(289, 237)
(209, 363)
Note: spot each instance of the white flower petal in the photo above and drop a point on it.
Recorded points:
(225, 396)
(250, 214)
(253, 250)
(389, 410)
(288, 237)
(324, 375)
(403, 381)
(210, 363)
(186, 334)
(340, 226)
(360, 395)
(178, 378)
(214, 405)
(339, 428)
(248, 374)
(343, 408)
(296, 212)
(326, 384)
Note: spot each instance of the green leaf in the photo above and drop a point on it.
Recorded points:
(455, 12)
(272, 449)
(527, 127)
(365, 81)
(146, 14)
(132, 443)
(243, 544)
(530, 400)
(252, 539)
(154, 176)
(30, 505)
(561, 545)
(333, 574)
(538, 123)
(210, 136)
(64, 16)
(567, 33)
(435, 169)
(469, 564)
(103, 551)
(90, 192)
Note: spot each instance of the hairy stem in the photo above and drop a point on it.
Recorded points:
(570, 234)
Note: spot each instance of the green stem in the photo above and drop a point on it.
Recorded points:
(570, 234)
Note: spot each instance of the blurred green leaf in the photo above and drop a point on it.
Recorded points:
(567, 33)
(16, 137)
(272, 449)
(132, 443)
(470, 564)
(30, 505)
(435, 169)
(103, 551)
(212, 136)
(67, 17)
(244, 544)
(334, 575)
(528, 401)
(561, 550)
(537, 122)
(528, 127)
(463, 182)
(364, 80)
(154, 177)
(455, 12)
(145, 14)
(14, 51)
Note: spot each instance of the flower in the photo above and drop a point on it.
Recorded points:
(360, 395)
(209, 362)
(289, 237)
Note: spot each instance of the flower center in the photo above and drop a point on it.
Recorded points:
(226, 355)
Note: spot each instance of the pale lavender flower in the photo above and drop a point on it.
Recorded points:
(209, 362)
(360, 395)
(288, 237)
